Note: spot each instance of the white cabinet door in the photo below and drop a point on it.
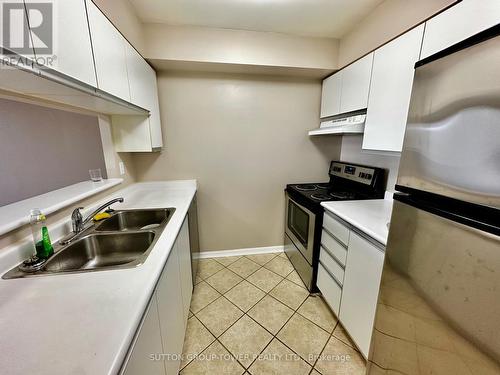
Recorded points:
(154, 118)
(184, 253)
(356, 85)
(139, 133)
(148, 342)
(170, 305)
(18, 41)
(131, 133)
(139, 78)
(459, 22)
(109, 53)
(390, 91)
(72, 47)
(360, 290)
(330, 95)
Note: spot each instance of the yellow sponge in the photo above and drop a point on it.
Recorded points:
(101, 216)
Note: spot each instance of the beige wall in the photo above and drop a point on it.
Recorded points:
(200, 44)
(388, 20)
(243, 138)
(112, 160)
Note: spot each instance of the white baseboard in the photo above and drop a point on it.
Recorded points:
(240, 252)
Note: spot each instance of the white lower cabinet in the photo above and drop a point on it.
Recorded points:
(164, 325)
(184, 253)
(360, 290)
(148, 342)
(170, 312)
(349, 278)
(331, 290)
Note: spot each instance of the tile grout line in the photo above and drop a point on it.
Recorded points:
(222, 295)
(245, 313)
(202, 350)
(324, 346)
(266, 293)
(283, 343)
(275, 335)
(296, 311)
(246, 256)
(261, 266)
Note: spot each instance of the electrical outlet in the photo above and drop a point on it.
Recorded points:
(121, 165)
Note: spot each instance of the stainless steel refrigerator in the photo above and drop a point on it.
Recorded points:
(438, 310)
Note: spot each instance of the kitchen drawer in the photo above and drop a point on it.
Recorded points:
(331, 265)
(339, 230)
(329, 288)
(337, 249)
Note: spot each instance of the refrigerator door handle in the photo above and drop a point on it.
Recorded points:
(473, 215)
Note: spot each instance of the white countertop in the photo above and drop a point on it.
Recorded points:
(16, 214)
(84, 323)
(369, 216)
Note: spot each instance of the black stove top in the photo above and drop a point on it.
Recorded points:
(321, 192)
(347, 182)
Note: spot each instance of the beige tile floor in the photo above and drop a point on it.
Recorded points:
(253, 315)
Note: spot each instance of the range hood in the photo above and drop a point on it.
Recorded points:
(341, 125)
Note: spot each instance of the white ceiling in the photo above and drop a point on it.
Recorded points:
(319, 18)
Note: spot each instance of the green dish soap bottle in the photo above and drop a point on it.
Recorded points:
(41, 238)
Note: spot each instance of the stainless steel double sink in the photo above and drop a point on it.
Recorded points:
(122, 241)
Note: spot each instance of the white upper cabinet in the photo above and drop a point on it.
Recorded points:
(144, 93)
(390, 91)
(330, 95)
(347, 90)
(109, 54)
(18, 42)
(140, 77)
(459, 22)
(356, 85)
(71, 43)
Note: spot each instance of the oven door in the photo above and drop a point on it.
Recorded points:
(299, 226)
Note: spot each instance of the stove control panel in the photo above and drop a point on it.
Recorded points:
(353, 172)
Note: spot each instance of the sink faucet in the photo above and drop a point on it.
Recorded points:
(78, 222)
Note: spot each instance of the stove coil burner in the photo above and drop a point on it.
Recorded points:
(342, 195)
(333, 195)
(321, 197)
(306, 187)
